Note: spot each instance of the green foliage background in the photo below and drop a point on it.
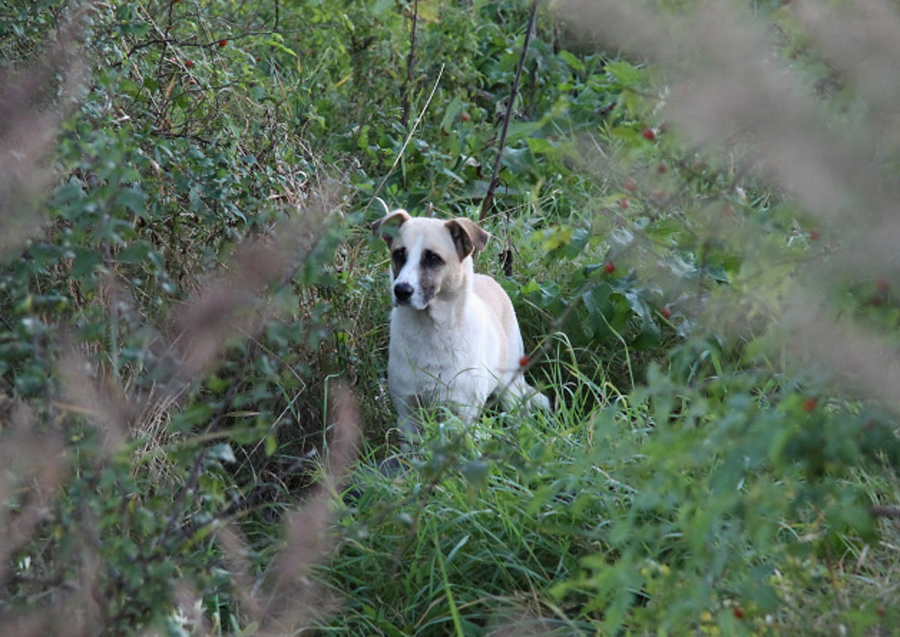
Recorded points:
(697, 475)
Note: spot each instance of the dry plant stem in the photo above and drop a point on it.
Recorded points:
(292, 601)
(408, 137)
(410, 62)
(27, 133)
(488, 201)
(207, 324)
(889, 512)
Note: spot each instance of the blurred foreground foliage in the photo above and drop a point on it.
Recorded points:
(187, 275)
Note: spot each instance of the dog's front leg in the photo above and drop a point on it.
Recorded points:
(467, 412)
(408, 420)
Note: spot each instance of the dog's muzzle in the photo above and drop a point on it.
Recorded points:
(403, 292)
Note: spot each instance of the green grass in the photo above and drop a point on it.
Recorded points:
(477, 532)
(581, 521)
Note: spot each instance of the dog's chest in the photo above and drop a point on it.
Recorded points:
(429, 357)
(438, 351)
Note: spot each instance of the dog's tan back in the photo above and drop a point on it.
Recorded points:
(501, 310)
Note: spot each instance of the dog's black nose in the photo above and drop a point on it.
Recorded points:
(403, 291)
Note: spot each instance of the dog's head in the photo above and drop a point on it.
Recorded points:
(430, 258)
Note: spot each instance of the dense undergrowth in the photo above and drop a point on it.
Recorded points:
(693, 220)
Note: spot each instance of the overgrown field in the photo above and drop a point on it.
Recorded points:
(694, 213)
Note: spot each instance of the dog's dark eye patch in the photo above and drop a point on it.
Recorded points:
(431, 259)
(398, 256)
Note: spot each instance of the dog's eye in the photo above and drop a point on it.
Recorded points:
(398, 256)
(431, 259)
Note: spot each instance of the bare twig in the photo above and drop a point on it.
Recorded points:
(488, 200)
(890, 512)
(410, 63)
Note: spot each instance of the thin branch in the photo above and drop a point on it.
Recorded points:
(196, 44)
(890, 512)
(488, 200)
(410, 62)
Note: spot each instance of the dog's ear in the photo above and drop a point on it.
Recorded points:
(468, 237)
(387, 225)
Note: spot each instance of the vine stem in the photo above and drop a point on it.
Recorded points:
(488, 201)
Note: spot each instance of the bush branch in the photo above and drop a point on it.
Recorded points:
(488, 200)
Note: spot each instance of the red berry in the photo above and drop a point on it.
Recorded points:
(665, 311)
(464, 117)
(523, 362)
(188, 63)
(223, 42)
(661, 168)
(738, 612)
(624, 203)
(814, 235)
(809, 404)
(630, 186)
(649, 134)
(610, 267)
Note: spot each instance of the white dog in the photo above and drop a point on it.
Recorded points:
(455, 339)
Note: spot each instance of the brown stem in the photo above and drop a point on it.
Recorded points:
(892, 513)
(410, 62)
(488, 200)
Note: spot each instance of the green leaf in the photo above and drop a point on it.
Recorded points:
(223, 452)
(135, 253)
(134, 199)
(85, 262)
(574, 62)
(475, 472)
(625, 73)
(451, 115)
